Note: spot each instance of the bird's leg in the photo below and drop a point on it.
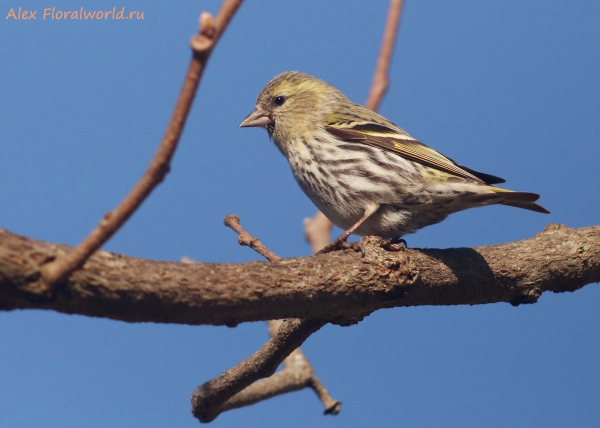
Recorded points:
(339, 242)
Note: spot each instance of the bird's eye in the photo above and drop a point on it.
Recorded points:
(279, 100)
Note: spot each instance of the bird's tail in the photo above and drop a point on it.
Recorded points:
(525, 200)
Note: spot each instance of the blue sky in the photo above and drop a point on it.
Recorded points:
(510, 88)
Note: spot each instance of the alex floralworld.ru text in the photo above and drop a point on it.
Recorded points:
(53, 14)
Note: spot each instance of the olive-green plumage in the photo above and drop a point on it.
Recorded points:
(367, 175)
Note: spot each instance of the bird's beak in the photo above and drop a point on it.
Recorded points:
(256, 118)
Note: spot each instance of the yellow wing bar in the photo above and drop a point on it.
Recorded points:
(410, 149)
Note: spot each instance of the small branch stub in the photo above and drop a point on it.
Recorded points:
(204, 41)
(244, 238)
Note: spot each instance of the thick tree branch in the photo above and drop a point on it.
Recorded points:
(337, 286)
(202, 45)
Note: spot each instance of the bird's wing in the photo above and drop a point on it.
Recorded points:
(389, 138)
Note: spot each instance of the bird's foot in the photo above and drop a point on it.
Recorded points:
(394, 244)
(339, 244)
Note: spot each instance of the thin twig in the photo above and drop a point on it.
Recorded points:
(318, 229)
(202, 45)
(244, 238)
(209, 398)
(380, 79)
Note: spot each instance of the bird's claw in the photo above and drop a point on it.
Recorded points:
(399, 241)
(394, 244)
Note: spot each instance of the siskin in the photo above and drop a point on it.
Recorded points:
(367, 175)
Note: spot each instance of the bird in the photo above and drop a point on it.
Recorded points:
(367, 175)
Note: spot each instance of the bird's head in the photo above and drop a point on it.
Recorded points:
(291, 105)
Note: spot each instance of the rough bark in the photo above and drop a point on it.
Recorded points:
(342, 286)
